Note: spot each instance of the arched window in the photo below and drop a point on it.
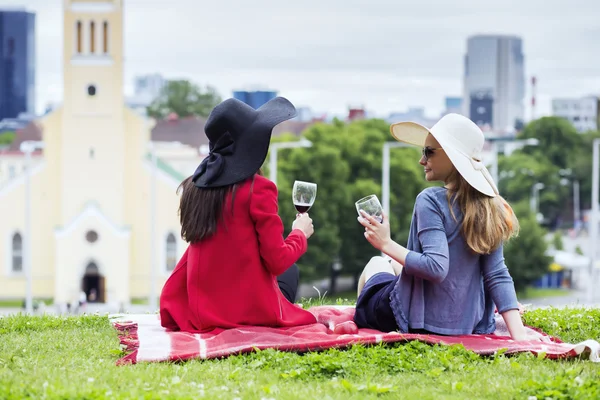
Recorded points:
(92, 37)
(105, 37)
(79, 38)
(17, 253)
(171, 253)
(92, 269)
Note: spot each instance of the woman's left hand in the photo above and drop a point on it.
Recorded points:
(377, 233)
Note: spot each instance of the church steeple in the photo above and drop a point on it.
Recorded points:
(95, 25)
(93, 55)
(93, 114)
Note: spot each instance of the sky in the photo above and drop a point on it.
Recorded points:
(329, 55)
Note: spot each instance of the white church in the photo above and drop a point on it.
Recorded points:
(102, 210)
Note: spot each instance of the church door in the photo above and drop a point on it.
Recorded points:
(93, 284)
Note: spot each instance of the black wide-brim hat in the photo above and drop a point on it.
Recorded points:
(239, 139)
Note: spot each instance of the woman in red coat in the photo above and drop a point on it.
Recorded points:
(228, 276)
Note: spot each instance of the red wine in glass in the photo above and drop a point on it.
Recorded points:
(303, 195)
(302, 208)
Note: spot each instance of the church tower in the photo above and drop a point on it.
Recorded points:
(93, 137)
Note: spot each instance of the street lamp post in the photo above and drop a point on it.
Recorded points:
(576, 205)
(594, 219)
(533, 201)
(152, 147)
(28, 147)
(283, 145)
(514, 145)
(153, 263)
(385, 174)
(568, 174)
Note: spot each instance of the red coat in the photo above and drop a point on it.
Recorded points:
(229, 279)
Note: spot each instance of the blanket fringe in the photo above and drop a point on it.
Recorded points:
(129, 359)
(127, 332)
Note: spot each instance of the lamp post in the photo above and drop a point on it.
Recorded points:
(385, 174)
(533, 202)
(594, 220)
(566, 174)
(283, 145)
(28, 147)
(514, 145)
(576, 205)
(153, 301)
(152, 147)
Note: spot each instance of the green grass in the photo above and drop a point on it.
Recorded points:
(527, 294)
(538, 293)
(18, 303)
(74, 357)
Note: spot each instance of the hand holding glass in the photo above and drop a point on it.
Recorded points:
(303, 195)
(371, 206)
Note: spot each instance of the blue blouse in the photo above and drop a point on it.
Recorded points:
(445, 287)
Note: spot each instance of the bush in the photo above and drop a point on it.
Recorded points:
(525, 255)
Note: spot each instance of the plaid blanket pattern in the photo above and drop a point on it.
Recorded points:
(143, 338)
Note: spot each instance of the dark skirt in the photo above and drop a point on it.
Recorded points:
(373, 308)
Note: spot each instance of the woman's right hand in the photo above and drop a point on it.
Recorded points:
(304, 223)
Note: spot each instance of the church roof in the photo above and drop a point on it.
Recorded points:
(31, 131)
(188, 131)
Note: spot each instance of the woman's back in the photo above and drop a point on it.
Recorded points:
(229, 278)
(442, 285)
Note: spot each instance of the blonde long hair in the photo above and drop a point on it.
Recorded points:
(487, 221)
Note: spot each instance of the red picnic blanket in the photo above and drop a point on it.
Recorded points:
(144, 339)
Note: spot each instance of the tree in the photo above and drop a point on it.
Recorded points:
(558, 141)
(520, 171)
(345, 162)
(6, 138)
(582, 167)
(322, 164)
(184, 99)
(525, 255)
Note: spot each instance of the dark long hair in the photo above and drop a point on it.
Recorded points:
(201, 209)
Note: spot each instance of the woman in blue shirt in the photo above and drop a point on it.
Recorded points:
(451, 276)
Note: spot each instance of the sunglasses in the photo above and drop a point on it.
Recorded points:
(429, 151)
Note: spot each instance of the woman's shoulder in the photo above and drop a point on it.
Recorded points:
(258, 186)
(259, 182)
(432, 193)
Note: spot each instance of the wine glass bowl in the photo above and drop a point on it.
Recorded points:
(303, 195)
(371, 205)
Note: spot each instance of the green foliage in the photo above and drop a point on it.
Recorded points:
(557, 241)
(525, 255)
(582, 167)
(568, 384)
(345, 162)
(185, 99)
(74, 358)
(561, 153)
(7, 138)
(559, 141)
(571, 325)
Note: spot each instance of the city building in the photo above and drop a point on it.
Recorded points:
(255, 98)
(145, 90)
(103, 202)
(414, 114)
(494, 82)
(14, 124)
(453, 105)
(17, 63)
(583, 112)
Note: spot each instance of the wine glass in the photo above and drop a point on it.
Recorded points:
(303, 195)
(371, 206)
